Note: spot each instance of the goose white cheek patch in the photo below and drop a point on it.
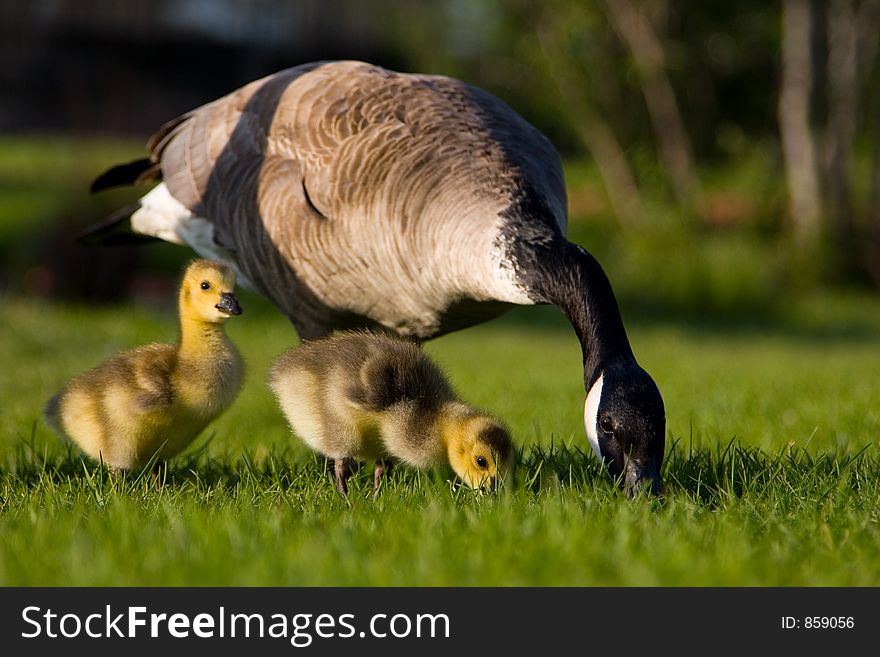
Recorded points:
(591, 415)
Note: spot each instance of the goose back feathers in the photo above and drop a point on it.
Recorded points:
(351, 195)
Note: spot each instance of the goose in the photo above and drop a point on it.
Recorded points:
(353, 196)
(358, 395)
(152, 401)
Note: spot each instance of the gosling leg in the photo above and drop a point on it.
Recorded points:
(382, 466)
(159, 473)
(342, 469)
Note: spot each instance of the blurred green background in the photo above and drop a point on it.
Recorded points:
(721, 157)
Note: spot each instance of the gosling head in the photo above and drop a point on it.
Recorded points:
(480, 451)
(206, 292)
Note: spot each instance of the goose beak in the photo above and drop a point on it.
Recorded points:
(228, 304)
(641, 477)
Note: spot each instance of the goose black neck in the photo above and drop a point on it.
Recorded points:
(573, 279)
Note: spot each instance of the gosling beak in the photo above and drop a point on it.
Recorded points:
(641, 477)
(228, 304)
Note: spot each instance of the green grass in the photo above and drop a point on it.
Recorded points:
(772, 474)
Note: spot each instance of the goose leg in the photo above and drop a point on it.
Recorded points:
(382, 466)
(342, 470)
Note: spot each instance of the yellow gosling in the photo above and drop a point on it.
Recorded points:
(155, 399)
(363, 396)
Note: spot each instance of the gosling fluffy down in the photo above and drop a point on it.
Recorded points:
(155, 399)
(363, 396)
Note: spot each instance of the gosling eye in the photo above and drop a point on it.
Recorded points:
(606, 425)
(482, 463)
(206, 285)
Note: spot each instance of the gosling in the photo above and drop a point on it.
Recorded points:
(362, 396)
(152, 401)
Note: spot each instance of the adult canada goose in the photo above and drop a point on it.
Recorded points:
(353, 196)
(155, 399)
(357, 395)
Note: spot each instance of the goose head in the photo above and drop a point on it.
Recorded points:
(626, 425)
(207, 293)
(480, 451)
(624, 416)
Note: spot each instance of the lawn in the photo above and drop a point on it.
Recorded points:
(772, 474)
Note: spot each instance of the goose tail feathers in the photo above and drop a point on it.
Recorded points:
(114, 230)
(130, 173)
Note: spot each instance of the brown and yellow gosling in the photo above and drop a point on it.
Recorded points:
(155, 399)
(362, 396)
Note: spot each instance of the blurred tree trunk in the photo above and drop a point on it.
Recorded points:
(872, 251)
(843, 101)
(631, 22)
(852, 28)
(869, 39)
(594, 132)
(798, 142)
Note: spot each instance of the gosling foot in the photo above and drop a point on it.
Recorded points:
(342, 470)
(382, 466)
(159, 472)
